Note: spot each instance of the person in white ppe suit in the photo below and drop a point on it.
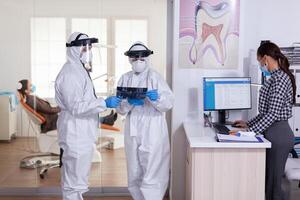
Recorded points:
(146, 134)
(78, 120)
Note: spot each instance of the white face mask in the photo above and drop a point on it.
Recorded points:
(86, 59)
(139, 66)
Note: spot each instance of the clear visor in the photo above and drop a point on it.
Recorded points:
(136, 59)
(86, 56)
(92, 56)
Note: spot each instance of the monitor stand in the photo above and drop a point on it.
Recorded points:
(222, 117)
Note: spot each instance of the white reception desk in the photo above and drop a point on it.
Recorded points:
(223, 171)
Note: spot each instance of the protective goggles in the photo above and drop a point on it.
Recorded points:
(138, 53)
(82, 42)
(136, 59)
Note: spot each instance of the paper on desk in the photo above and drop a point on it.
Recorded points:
(233, 138)
(246, 133)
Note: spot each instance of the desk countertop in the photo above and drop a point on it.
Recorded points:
(204, 137)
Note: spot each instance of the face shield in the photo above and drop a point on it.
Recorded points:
(138, 55)
(138, 50)
(85, 44)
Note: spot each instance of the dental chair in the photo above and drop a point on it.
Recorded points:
(292, 170)
(47, 156)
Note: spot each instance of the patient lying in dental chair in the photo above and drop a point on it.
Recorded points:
(50, 113)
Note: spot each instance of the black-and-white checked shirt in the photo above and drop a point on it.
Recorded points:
(275, 102)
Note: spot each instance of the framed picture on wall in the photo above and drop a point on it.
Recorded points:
(209, 34)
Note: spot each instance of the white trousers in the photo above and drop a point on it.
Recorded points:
(75, 172)
(148, 169)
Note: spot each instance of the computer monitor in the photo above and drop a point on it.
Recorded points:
(226, 93)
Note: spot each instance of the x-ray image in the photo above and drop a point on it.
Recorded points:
(131, 92)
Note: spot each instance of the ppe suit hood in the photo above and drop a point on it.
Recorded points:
(73, 53)
(137, 47)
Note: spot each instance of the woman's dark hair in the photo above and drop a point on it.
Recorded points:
(24, 84)
(272, 50)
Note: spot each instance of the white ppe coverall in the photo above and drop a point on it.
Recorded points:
(146, 137)
(77, 123)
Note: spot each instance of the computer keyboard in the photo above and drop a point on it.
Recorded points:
(221, 129)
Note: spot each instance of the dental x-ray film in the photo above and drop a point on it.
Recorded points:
(131, 92)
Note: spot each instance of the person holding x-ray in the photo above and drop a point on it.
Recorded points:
(146, 133)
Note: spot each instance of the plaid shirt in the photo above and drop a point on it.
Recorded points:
(275, 102)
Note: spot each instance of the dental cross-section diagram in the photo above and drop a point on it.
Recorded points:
(209, 34)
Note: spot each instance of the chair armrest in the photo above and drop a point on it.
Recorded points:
(293, 151)
(108, 127)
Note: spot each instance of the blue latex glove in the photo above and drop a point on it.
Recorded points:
(136, 102)
(152, 95)
(112, 102)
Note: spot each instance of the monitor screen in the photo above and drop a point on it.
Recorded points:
(225, 93)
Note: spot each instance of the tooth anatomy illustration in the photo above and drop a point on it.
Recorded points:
(208, 30)
(213, 19)
(214, 11)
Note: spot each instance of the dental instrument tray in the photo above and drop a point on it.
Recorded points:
(131, 92)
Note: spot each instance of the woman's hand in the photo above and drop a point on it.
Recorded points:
(240, 124)
(235, 131)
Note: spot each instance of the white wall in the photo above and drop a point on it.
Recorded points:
(15, 58)
(15, 33)
(276, 20)
(260, 19)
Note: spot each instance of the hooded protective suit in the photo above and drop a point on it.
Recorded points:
(77, 123)
(146, 134)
